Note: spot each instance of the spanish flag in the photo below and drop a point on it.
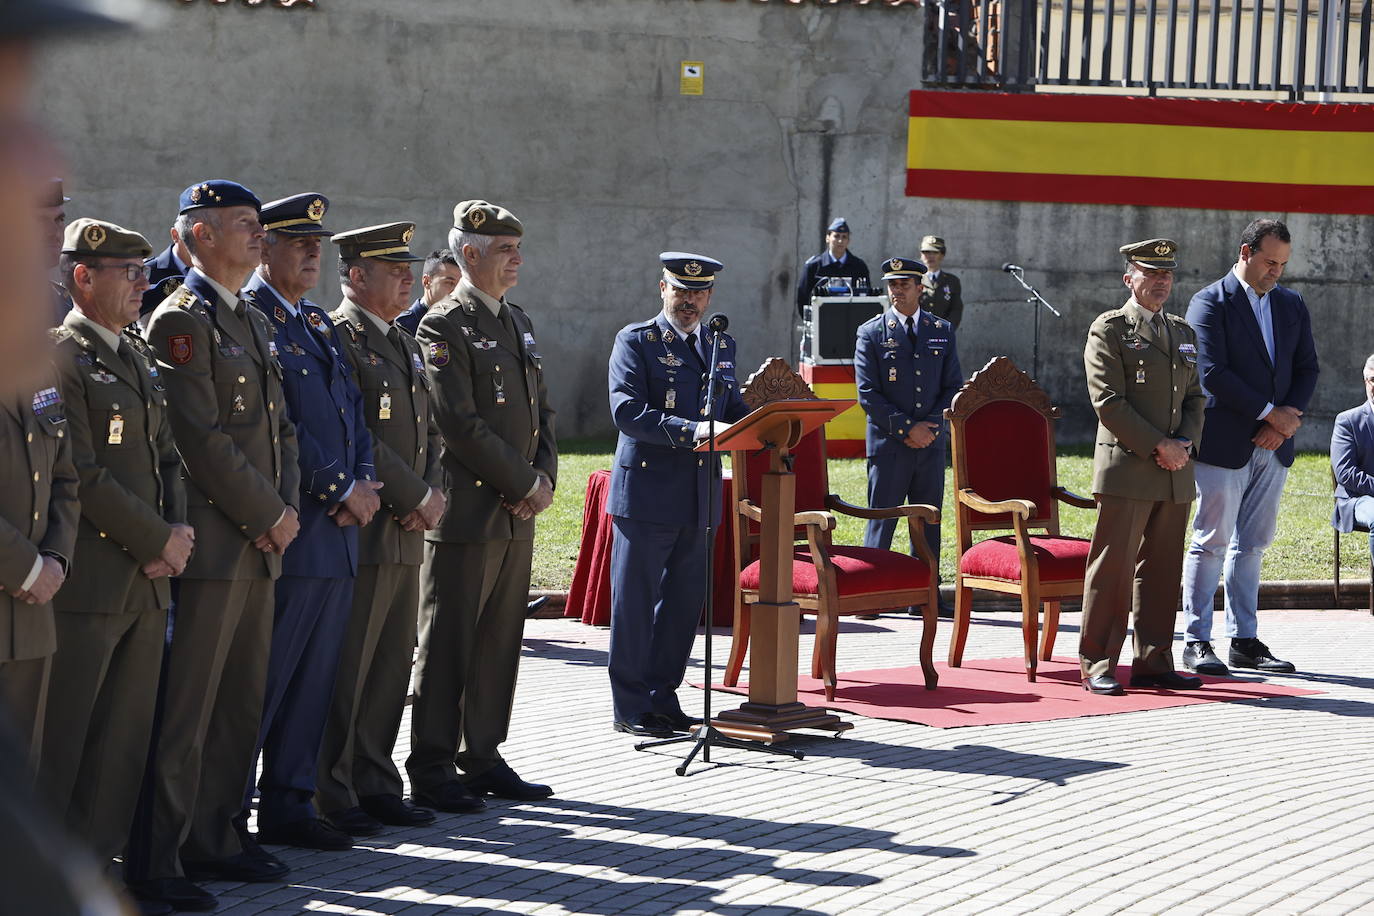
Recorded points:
(1109, 149)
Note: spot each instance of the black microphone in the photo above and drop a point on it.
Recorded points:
(717, 323)
(1012, 268)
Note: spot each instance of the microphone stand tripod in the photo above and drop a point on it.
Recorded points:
(707, 735)
(1036, 300)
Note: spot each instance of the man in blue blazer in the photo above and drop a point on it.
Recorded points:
(1259, 368)
(906, 366)
(658, 500)
(1352, 461)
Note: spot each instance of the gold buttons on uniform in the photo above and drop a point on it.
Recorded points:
(35, 476)
(242, 379)
(103, 534)
(643, 464)
(479, 483)
(114, 406)
(30, 439)
(35, 516)
(271, 405)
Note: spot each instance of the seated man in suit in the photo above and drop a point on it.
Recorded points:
(1352, 461)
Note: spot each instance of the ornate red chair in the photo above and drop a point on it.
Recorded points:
(1001, 427)
(828, 580)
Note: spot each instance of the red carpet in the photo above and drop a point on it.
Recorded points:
(994, 691)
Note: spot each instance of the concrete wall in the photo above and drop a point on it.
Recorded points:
(568, 112)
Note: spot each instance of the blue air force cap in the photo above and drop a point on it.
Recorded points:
(839, 224)
(299, 214)
(903, 269)
(34, 18)
(217, 192)
(689, 271)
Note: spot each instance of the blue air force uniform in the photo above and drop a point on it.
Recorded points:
(166, 273)
(658, 497)
(315, 594)
(904, 378)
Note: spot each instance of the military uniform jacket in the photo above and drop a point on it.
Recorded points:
(493, 412)
(824, 265)
(165, 277)
(658, 393)
(405, 439)
(38, 513)
(944, 298)
(331, 435)
(229, 418)
(1144, 389)
(900, 386)
(131, 491)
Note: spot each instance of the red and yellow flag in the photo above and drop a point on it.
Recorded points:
(1101, 149)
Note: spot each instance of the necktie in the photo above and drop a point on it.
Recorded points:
(696, 352)
(911, 330)
(394, 336)
(126, 353)
(509, 323)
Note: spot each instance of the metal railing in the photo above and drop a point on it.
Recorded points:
(1289, 48)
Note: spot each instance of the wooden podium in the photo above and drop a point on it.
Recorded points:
(772, 709)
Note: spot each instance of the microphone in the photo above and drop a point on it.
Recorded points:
(717, 323)
(1012, 268)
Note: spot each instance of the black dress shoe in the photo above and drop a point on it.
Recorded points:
(178, 893)
(153, 907)
(503, 782)
(389, 809)
(678, 721)
(310, 833)
(1103, 684)
(355, 822)
(1251, 653)
(1199, 657)
(251, 849)
(646, 726)
(450, 796)
(241, 867)
(1169, 680)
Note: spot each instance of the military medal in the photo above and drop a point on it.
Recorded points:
(500, 388)
(116, 430)
(1140, 376)
(384, 407)
(239, 405)
(670, 399)
(892, 374)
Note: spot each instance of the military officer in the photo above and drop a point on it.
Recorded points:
(238, 448)
(500, 464)
(52, 220)
(906, 365)
(133, 536)
(942, 294)
(438, 277)
(1141, 366)
(360, 788)
(836, 261)
(658, 498)
(166, 272)
(338, 493)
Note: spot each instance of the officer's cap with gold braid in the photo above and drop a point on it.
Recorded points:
(485, 218)
(299, 214)
(387, 242)
(94, 238)
(217, 192)
(903, 269)
(689, 271)
(1157, 254)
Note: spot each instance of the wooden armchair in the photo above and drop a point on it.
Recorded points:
(1002, 442)
(827, 580)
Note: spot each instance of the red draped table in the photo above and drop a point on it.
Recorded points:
(589, 596)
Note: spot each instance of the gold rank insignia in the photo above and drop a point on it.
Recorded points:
(894, 264)
(692, 268)
(1163, 248)
(408, 235)
(650, 336)
(195, 195)
(477, 218)
(316, 210)
(95, 236)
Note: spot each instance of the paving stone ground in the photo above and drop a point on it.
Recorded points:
(1264, 806)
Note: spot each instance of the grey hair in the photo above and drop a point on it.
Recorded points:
(457, 238)
(186, 220)
(1369, 364)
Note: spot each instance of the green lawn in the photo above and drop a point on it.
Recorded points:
(1301, 550)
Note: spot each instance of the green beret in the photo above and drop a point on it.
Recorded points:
(95, 238)
(1156, 254)
(486, 219)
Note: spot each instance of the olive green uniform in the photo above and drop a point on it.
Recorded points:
(1144, 386)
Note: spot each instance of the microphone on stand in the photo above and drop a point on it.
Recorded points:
(1012, 268)
(717, 323)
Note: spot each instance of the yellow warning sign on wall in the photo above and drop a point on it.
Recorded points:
(693, 80)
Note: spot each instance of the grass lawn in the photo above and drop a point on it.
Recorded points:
(1301, 550)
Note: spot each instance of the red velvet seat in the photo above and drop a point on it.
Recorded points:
(827, 580)
(1001, 428)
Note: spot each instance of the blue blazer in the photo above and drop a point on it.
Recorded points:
(335, 446)
(410, 318)
(899, 386)
(1352, 460)
(658, 395)
(1237, 375)
(164, 278)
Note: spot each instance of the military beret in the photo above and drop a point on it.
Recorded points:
(299, 214)
(1157, 254)
(217, 192)
(30, 18)
(54, 196)
(387, 242)
(87, 237)
(903, 269)
(838, 225)
(486, 219)
(933, 243)
(689, 271)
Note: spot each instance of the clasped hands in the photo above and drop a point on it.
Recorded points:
(921, 434)
(536, 502)
(1279, 426)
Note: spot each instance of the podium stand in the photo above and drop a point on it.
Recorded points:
(772, 709)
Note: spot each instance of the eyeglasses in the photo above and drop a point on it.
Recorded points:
(131, 271)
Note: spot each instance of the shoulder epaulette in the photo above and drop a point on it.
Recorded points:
(183, 298)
